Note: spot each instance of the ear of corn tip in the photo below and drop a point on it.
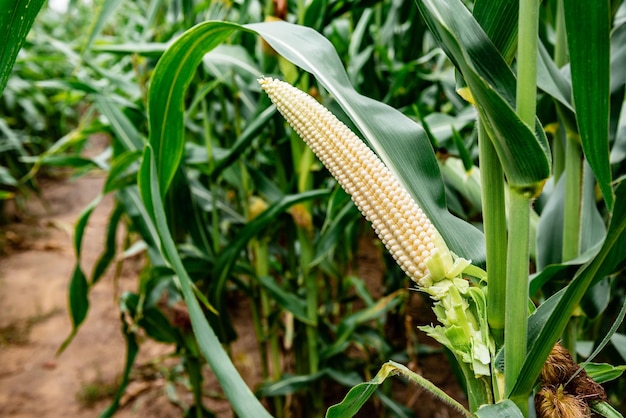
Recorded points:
(398, 220)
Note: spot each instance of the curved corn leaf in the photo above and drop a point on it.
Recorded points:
(166, 97)
(590, 68)
(16, 19)
(358, 395)
(603, 372)
(78, 290)
(286, 300)
(524, 152)
(242, 399)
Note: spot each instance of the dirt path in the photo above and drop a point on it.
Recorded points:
(34, 320)
(34, 275)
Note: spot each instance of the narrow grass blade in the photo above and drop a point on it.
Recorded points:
(241, 397)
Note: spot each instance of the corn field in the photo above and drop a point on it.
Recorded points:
(258, 152)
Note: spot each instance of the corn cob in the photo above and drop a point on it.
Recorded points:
(400, 223)
(397, 219)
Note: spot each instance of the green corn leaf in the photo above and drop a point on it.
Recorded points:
(148, 49)
(505, 408)
(242, 399)
(120, 171)
(498, 19)
(78, 291)
(604, 409)
(151, 319)
(227, 258)
(17, 17)
(550, 228)
(286, 300)
(289, 384)
(358, 395)
(243, 142)
(137, 212)
(618, 55)
(548, 322)
(590, 67)
(125, 132)
(524, 152)
(552, 80)
(603, 372)
(341, 212)
(7, 178)
(166, 97)
(348, 325)
(110, 245)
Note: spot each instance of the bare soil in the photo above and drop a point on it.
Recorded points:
(34, 273)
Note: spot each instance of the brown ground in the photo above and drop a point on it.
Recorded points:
(34, 273)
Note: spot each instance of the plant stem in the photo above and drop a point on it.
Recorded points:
(571, 223)
(261, 261)
(494, 225)
(516, 323)
(560, 45)
(527, 61)
(516, 291)
(560, 59)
